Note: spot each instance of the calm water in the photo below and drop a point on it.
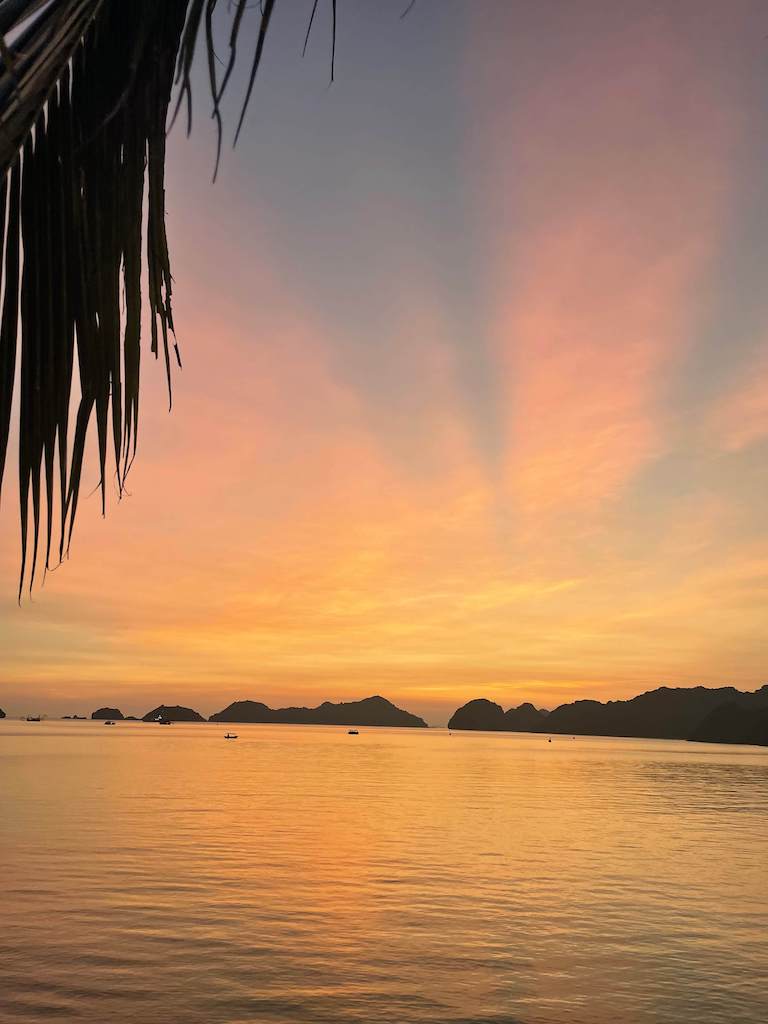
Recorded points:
(299, 874)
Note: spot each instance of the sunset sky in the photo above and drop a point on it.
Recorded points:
(475, 387)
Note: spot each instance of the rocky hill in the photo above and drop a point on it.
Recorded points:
(373, 711)
(664, 713)
(107, 713)
(173, 713)
(731, 723)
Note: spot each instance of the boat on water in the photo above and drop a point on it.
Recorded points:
(33, 718)
(163, 721)
(109, 723)
(353, 732)
(230, 736)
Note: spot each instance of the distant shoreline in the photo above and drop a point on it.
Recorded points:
(699, 713)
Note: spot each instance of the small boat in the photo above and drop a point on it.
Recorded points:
(109, 723)
(163, 721)
(353, 732)
(230, 736)
(33, 718)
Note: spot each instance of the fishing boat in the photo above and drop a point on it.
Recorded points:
(230, 736)
(353, 732)
(33, 718)
(109, 723)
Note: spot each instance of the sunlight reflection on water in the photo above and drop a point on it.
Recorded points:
(398, 876)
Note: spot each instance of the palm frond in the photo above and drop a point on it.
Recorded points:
(85, 87)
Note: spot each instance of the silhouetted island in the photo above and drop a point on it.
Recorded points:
(732, 723)
(174, 713)
(664, 713)
(103, 713)
(484, 714)
(2, 713)
(372, 711)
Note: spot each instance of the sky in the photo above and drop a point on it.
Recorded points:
(475, 388)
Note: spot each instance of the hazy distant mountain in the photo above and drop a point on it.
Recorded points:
(173, 713)
(104, 713)
(732, 723)
(372, 711)
(664, 713)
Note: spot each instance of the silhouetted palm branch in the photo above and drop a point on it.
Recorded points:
(85, 87)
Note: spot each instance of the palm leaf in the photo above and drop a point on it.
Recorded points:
(85, 87)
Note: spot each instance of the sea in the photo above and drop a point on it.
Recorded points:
(165, 875)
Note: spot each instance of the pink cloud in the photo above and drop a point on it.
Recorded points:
(607, 185)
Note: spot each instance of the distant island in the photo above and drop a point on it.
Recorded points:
(733, 723)
(373, 711)
(711, 715)
(172, 713)
(699, 713)
(2, 713)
